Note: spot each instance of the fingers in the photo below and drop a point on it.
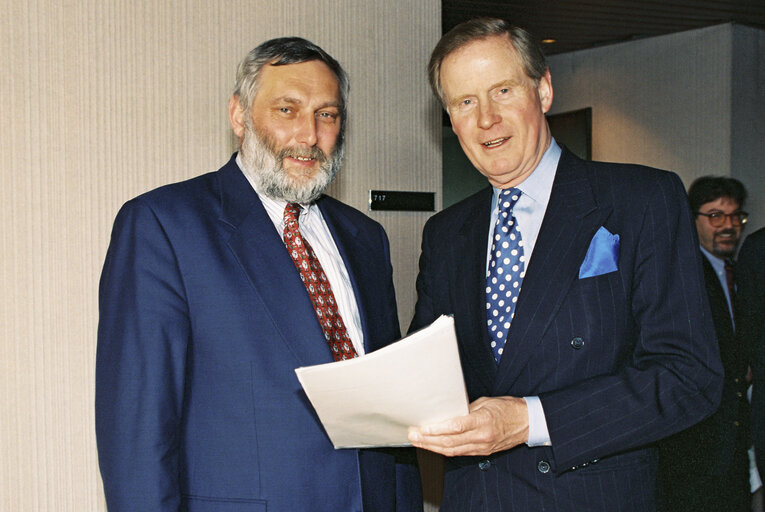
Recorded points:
(451, 444)
(493, 424)
(449, 427)
(442, 437)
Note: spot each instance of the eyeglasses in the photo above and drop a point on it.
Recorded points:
(717, 219)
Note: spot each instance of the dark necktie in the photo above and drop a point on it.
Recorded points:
(317, 285)
(731, 280)
(505, 272)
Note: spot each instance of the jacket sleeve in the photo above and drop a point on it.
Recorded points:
(143, 333)
(671, 377)
(425, 311)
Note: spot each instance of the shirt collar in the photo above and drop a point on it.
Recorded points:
(538, 185)
(717, 263)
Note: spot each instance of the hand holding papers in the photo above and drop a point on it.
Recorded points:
(372, 400)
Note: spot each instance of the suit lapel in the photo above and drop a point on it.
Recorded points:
(717, 301)
(571, 220)
(470, 273)
(270, 270)
(352, 245)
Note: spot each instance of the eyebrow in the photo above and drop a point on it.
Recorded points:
(509, 82)
(296, 101)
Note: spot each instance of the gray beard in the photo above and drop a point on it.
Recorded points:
(263, 164)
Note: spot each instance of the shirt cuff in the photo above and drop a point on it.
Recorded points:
(538, 434)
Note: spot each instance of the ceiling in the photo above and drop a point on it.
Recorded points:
(581, 24)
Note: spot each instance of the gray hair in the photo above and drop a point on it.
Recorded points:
(280, 52)
(530, 53)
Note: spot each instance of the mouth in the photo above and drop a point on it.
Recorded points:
(726, 237)
(308, 158)
(495, 143)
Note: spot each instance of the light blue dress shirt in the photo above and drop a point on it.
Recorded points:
(529, 212)
(718, 264)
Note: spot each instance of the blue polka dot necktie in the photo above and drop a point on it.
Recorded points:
(505, 272)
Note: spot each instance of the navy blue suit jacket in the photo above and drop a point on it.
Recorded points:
(203, 319)
(619, 360)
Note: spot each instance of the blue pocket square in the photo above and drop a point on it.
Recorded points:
(602, 256)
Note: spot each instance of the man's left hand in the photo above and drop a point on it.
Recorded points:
(492, 425)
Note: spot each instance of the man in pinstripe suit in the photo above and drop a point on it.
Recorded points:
(610, 346)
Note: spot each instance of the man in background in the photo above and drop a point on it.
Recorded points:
(706, 467)
(215, 289)
(576, 289)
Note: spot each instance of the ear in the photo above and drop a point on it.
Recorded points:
(236, 117)
(545, 91)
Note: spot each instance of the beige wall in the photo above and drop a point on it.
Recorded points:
(692, 102)
(100, 101)
(748, 119)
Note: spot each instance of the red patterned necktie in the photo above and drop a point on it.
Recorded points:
(317, 285)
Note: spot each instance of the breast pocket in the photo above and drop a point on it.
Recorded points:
(599, 301)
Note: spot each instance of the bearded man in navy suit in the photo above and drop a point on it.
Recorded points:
(576, 287)
(204, 315)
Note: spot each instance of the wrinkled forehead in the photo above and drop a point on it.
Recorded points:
(311, 80)
(482, 61)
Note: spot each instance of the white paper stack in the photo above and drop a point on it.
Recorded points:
(372, 400)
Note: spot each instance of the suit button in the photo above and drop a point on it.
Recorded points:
(736, 423)
(577, 343)
(484, 465)
(543, 466)
(739, 394)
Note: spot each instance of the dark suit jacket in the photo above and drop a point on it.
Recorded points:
(203, 319)
(719, 442)
(618, 360)
(751, 329)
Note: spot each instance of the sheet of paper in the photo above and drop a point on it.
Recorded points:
(372, 400)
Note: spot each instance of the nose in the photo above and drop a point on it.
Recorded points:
(305, 131)
(488, 115)
(727, 221)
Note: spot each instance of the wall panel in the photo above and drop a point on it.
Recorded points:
(691, 102)
(104, 100)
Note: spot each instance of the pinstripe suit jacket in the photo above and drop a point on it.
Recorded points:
(708, 447)
(717, 445)
(619, 360)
